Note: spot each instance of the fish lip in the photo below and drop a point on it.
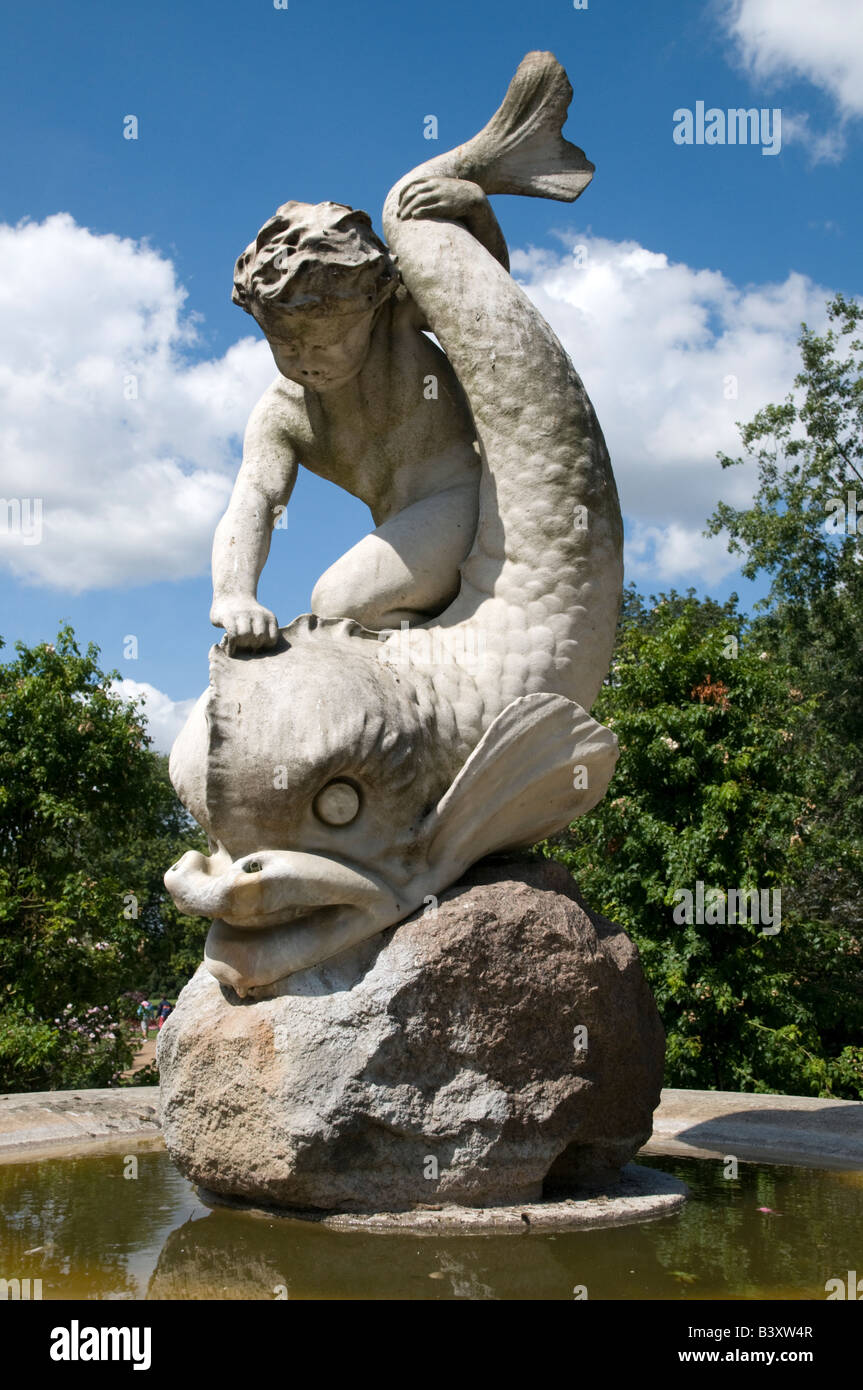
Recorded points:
(248, 960)
(288, 916)
(266, 946)
(221, 890)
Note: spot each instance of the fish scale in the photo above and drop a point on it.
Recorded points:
(532, 569)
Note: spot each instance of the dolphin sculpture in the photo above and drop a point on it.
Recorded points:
(348, 777)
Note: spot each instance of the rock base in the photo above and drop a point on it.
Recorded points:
(635, 1195)
(498, 1047)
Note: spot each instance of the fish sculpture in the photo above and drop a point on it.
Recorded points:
(347, 777)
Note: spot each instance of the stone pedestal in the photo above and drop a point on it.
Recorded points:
(500, 1045)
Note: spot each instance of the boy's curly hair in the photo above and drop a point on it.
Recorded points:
(319, 256)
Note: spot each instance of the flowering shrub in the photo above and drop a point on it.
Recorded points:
(64, 1053)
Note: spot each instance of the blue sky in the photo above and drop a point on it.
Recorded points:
(697, 263)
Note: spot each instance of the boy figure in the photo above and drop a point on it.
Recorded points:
(363, 398)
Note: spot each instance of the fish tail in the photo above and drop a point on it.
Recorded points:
(521, 150)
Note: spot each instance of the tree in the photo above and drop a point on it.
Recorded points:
(803, 529)
(709, 791)
(88, 823)
(809, 456)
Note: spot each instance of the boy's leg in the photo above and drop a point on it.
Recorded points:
(408, 569)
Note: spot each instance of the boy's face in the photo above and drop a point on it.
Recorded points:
(321, 352)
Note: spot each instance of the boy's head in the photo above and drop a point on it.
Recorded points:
(313, 278)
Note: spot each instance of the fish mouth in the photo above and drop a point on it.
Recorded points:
(251, 963)
(280, 911)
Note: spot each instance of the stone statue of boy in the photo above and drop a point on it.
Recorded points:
(365, 399)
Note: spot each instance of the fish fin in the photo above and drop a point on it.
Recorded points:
(521, 150)
(523, 781)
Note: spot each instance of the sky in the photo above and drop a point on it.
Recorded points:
(677, 282)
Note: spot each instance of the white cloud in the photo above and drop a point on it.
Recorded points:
(820, 41)
(667, 555)
(131, 488)
(662, 349)
(165, 717)
(823, 146)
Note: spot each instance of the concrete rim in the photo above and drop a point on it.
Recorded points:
(640, 1194)
(801, 1131)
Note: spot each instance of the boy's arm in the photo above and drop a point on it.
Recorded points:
(242, 541)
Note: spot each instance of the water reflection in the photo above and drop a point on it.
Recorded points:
(229, 1255)
(88, 1232)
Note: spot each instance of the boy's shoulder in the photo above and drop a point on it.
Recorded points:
(282, 409)
(284, 395)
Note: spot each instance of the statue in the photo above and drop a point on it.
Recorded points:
(350, 403)
(432, 709)
(386, 1016)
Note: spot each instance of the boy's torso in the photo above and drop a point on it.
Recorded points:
(399, 432)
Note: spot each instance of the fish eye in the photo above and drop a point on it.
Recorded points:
(337, 803)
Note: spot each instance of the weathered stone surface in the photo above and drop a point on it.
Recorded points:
(33, 1121)
(434, 707)
(449, 1042)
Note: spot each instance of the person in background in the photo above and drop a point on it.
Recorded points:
(165, 1008)
(145, 1009)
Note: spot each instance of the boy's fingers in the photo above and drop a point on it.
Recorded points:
(424, 188)
(428, 203)
(407, 207)
(411, 188)
(429, 210)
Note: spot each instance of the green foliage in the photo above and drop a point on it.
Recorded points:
(708, 790)
(144, 1076)
(88, 823)
(809, 457)
(807, 451)
(744, 770)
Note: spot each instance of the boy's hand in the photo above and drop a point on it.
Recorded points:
(453, 199)
(248, 623)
